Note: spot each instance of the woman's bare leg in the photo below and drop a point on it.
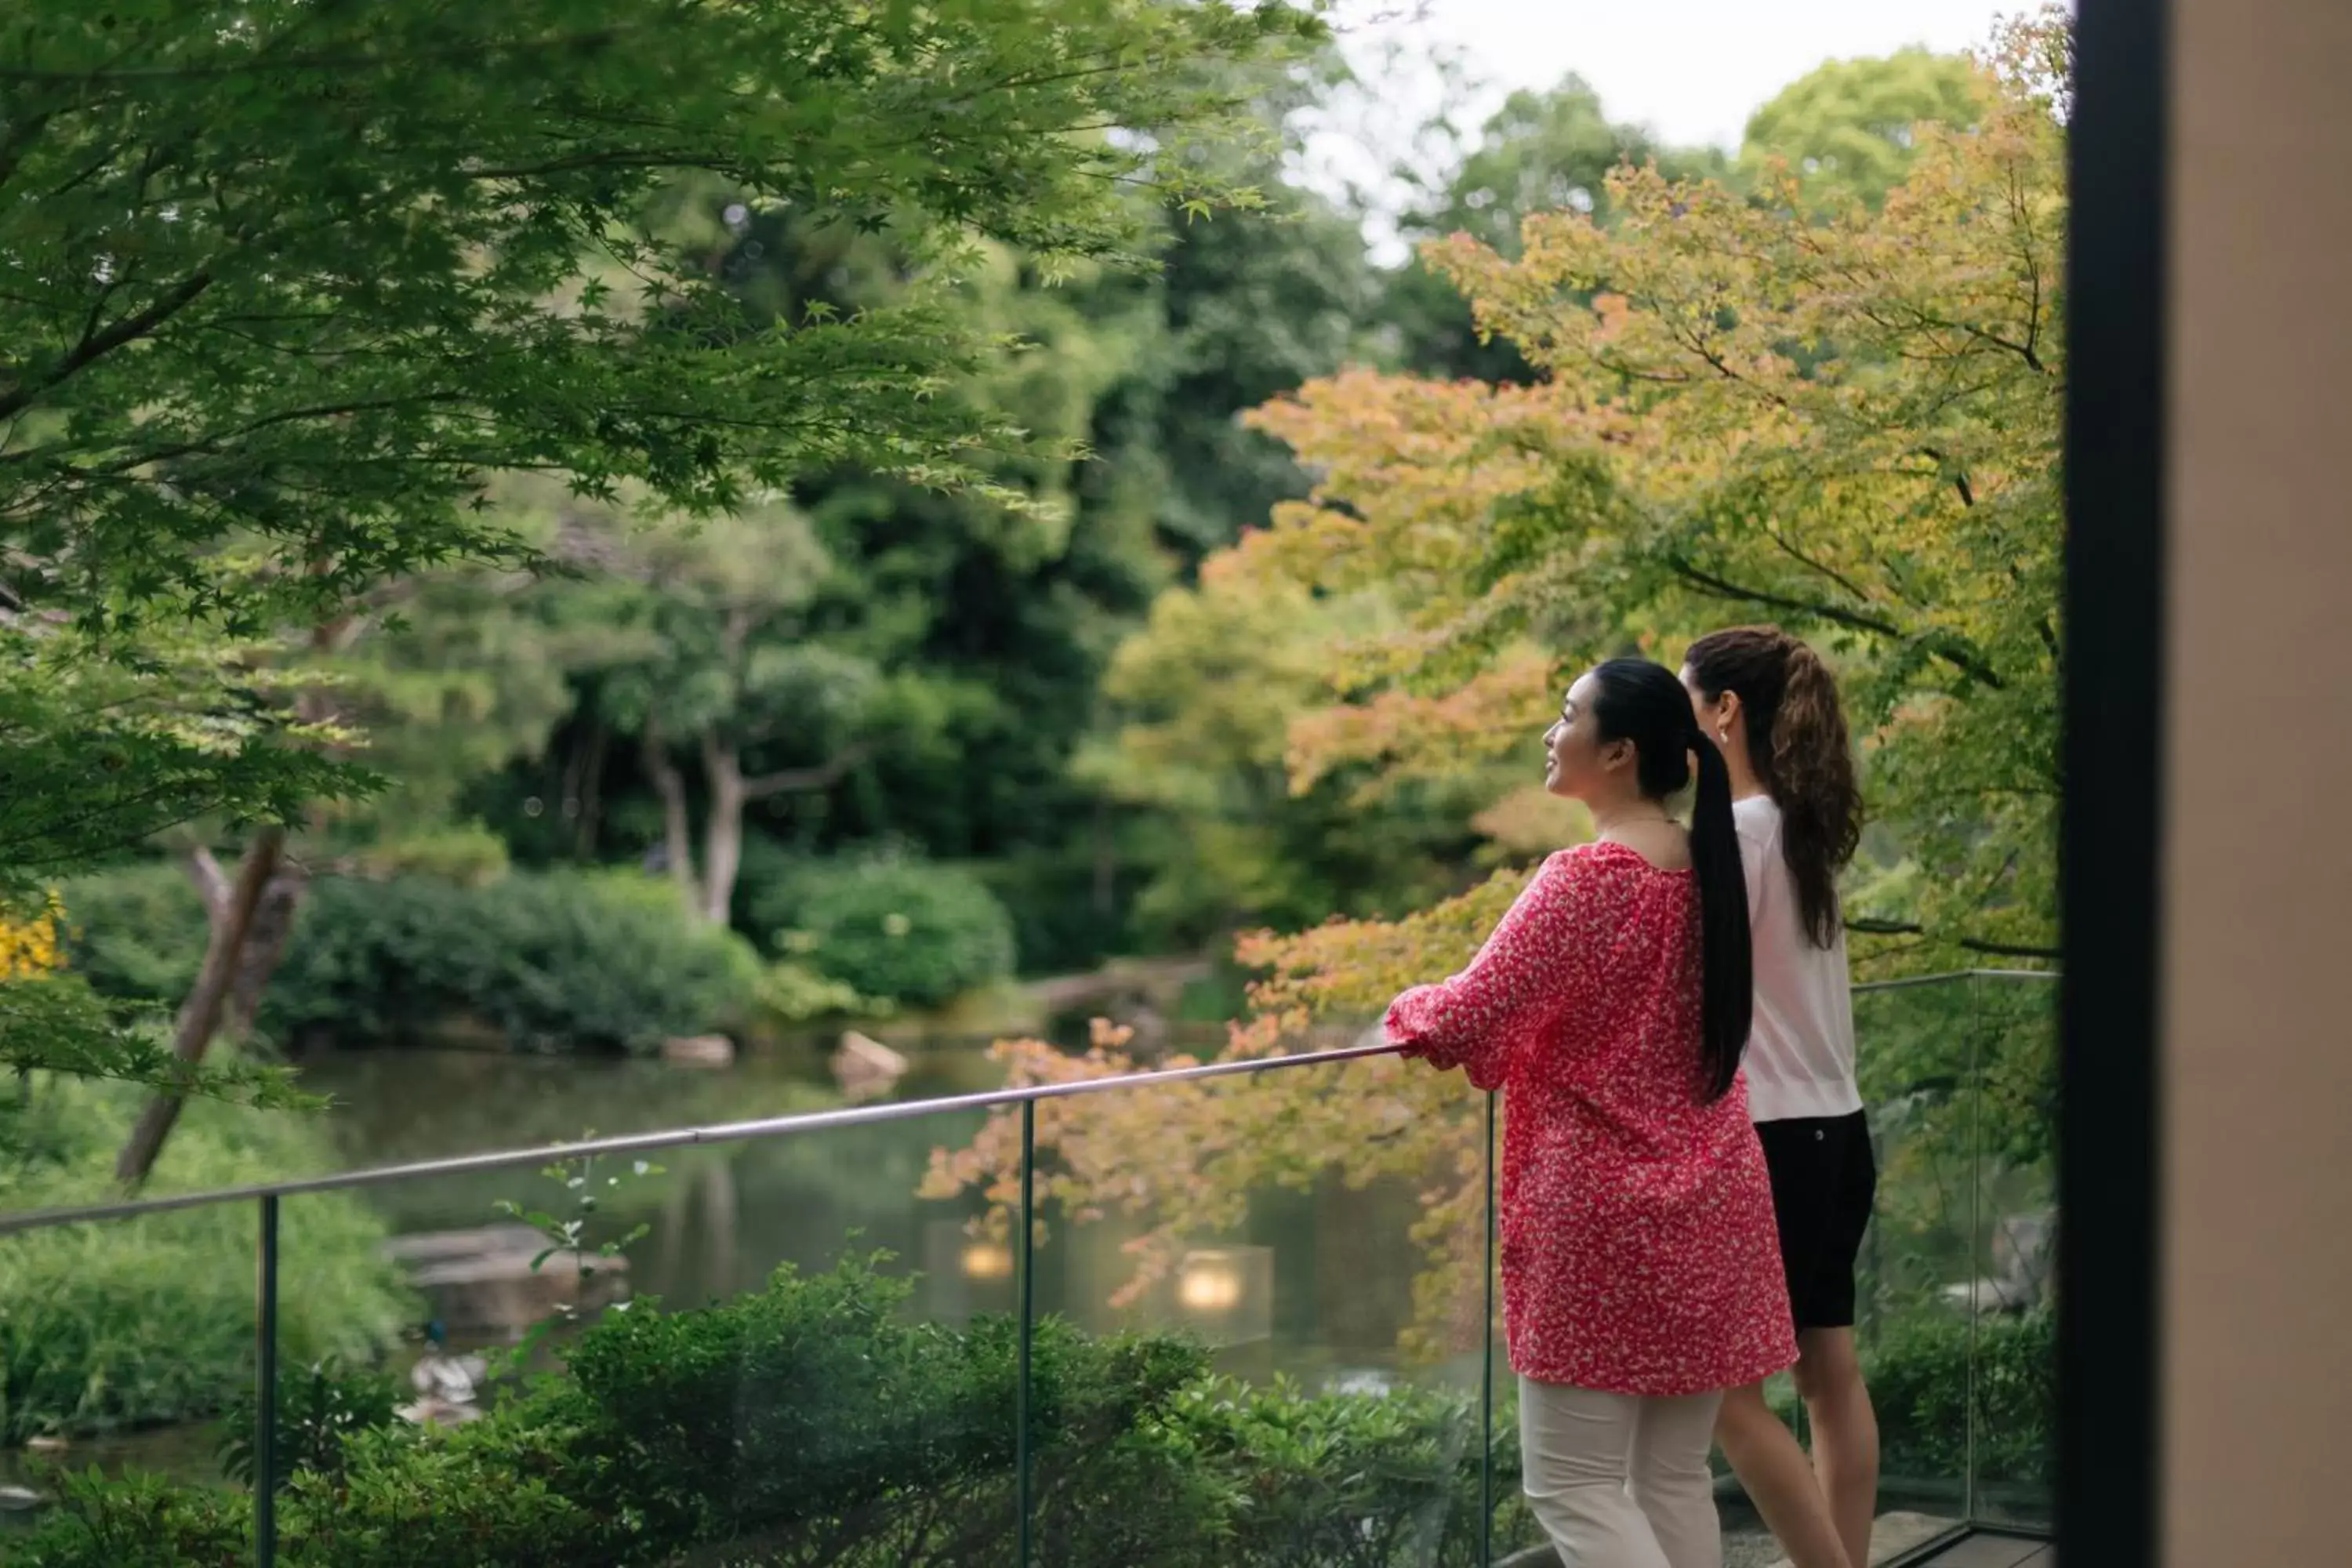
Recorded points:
(1773, 1468)
(1845, 1434)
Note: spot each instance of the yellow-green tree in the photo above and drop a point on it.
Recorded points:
(1847, 422)
(1784, 405)
(1206, 699)
(1849, 128)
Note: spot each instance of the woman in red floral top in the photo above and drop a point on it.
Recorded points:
(1641, 1265)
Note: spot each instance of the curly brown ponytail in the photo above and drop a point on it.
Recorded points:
(1797, 742)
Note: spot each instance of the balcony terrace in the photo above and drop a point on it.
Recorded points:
(1316, 1380)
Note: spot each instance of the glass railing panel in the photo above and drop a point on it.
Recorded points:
(1298, 1250)
(870, 1413)
(2015, 1249)
(1261, 1328)
(1512, 1529)
(1916, 1045)
(757, 1343)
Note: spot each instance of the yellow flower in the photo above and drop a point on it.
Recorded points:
(30, 944)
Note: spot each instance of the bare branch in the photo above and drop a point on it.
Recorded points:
(823, 776)
(1951, 650)
(1798, 556)
(96, 346)
(470, 51)
(1959, 476)
(212, 882)
(1968, 944)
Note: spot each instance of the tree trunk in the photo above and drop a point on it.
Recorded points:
(265, 934)
(265, 945)
(250, 921)
(731, 792)
(200, 1019)
(586, 794)
(678, 832)
(722, 832)
(211, 883)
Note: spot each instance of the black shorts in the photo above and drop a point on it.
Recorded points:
(1824, 1179)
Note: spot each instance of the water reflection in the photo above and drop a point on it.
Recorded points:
(395, 1105)
(1318, 1280)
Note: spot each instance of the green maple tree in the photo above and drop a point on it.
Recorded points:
(290, 282)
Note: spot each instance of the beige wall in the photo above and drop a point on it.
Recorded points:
(2257, 983)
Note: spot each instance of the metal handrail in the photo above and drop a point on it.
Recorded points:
(774, 1126)
(1912, 982)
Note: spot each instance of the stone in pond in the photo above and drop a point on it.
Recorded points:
(864, 1067)
(700, 1051)
(481, 1282)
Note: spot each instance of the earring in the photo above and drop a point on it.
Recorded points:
(1723, 734)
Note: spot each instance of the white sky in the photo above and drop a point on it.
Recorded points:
(1692, 70)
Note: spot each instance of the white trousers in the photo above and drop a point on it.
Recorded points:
(1621, 1482)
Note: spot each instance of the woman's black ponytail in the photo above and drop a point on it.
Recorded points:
(1646, 703)
(1728, 960)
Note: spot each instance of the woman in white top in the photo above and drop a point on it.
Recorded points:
(1770, 705)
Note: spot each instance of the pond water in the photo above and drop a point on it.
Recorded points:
(1314, 1283)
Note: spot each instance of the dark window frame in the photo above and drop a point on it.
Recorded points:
(2110, 858)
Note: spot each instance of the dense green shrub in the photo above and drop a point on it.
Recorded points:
(109, 1326)
(555, 959)
(779, 1415)
(1918, 1374)
(317, 1410)
(139, 1521)
(567, 959)
(791, 994)
(810, 1422)
(1918, 1379)
(893, 928)
(1346, 1481)
(137, 931)
(766, 867)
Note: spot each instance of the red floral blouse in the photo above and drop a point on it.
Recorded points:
(1638, 1247)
